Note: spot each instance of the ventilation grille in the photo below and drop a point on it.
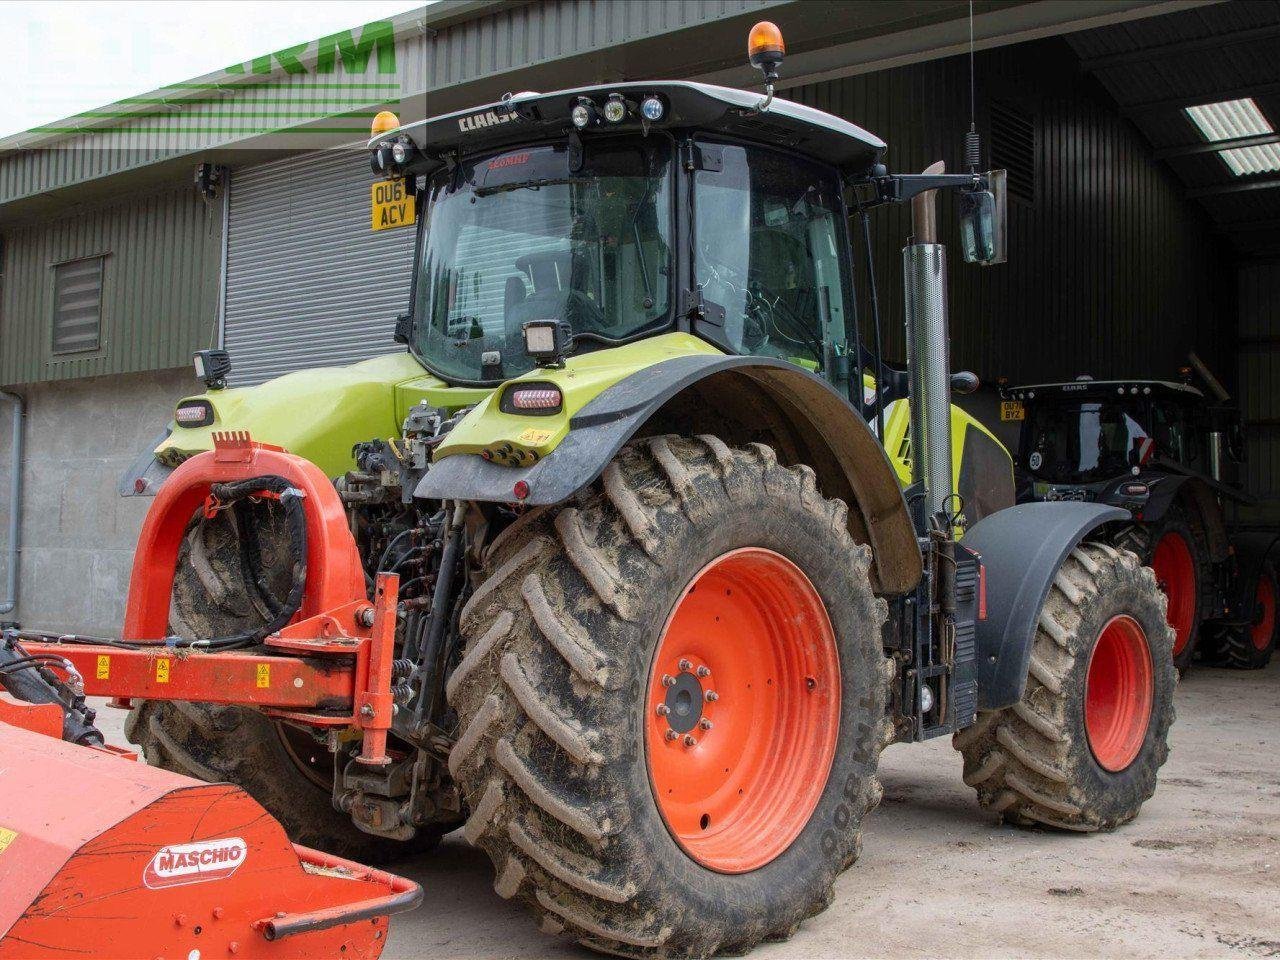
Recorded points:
(1013, 148)
(77, 306)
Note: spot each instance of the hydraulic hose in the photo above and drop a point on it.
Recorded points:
(228, 494)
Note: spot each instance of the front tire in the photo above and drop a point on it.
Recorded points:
(594, 616)
(1082, 748)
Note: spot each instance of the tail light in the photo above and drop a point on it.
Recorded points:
(540, 399)
(194, 413)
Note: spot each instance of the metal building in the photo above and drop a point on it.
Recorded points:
(1133, 239)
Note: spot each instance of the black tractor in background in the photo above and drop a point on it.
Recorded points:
(1170, 456)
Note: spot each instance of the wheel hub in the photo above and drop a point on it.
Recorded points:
(684, 702)
(743, 710)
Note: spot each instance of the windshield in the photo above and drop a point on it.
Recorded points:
(520, 236)
(769, 238)
(1084, 442)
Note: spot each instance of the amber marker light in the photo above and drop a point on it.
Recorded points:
(383, 122)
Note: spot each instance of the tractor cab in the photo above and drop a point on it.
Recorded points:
(1093, 440)
(611, 214)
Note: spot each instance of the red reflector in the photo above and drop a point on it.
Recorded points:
(139, 485)
(535, 398)
(982, 591)
(521, 489)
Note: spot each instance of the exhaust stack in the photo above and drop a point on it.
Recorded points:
(924, 278)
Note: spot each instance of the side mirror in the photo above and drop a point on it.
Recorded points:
(964, 382)
(983, 220)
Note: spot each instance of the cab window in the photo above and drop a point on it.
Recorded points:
(768, 232)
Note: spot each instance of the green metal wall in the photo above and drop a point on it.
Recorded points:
(1111, 272)
(160, 288)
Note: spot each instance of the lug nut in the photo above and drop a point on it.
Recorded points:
(663, 709)
(712, 696)
(704, 723)
(704, 672)
(686, 665)
(671, 734)
(689, 740)
(668, 680)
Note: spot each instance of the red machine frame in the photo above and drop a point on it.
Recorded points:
(330, 667)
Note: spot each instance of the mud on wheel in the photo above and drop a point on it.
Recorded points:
(1081, 749)
(281, 766)
(671, 703)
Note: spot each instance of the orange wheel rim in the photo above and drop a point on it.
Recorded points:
(1176, 571)
(1118, 693)
(1264, 613)
(743, 710)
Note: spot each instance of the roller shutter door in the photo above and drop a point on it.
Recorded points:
(308, 283)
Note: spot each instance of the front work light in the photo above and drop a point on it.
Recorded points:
(652, 110)
(212, 366)
(400, 152)
(546, 341)
(583, 114)
(615, 109)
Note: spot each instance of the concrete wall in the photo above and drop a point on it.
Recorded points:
(78, 534)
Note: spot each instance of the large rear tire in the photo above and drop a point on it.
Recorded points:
(278, 765)
(672, 703)
(1175, 551)
(1082, 748)
(1251, 647)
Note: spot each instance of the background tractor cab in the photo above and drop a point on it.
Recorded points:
(1170, 458)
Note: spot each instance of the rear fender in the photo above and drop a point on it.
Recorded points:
(1022, 549)
(778, 398)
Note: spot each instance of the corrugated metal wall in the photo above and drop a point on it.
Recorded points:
(160, 285)
(308, 283)
(1259, 383)
(1111, 272)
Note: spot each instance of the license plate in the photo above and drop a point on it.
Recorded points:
(392, 205)
(1012, 410)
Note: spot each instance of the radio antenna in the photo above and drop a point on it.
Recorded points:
(972, 145)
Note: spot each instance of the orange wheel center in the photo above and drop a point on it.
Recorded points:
(1176, 572)
(1118, 693)
(743, 710)
(1264, 613)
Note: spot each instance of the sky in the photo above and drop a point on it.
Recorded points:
(66, 56)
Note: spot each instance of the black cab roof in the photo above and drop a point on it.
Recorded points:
(1103, 389)
(529, 117)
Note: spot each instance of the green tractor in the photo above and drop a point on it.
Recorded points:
(679, 553)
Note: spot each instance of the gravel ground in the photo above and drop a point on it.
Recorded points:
(1197, 875)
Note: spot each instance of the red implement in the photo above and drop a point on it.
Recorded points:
(104, 857)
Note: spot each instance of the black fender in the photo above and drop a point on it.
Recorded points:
(1021, 549)
(854, 465)
(147, 469)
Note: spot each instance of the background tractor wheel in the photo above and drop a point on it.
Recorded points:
(672, 702)
(1251, 647)
(1172, 548)
(281, 766)
(1081, 750)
